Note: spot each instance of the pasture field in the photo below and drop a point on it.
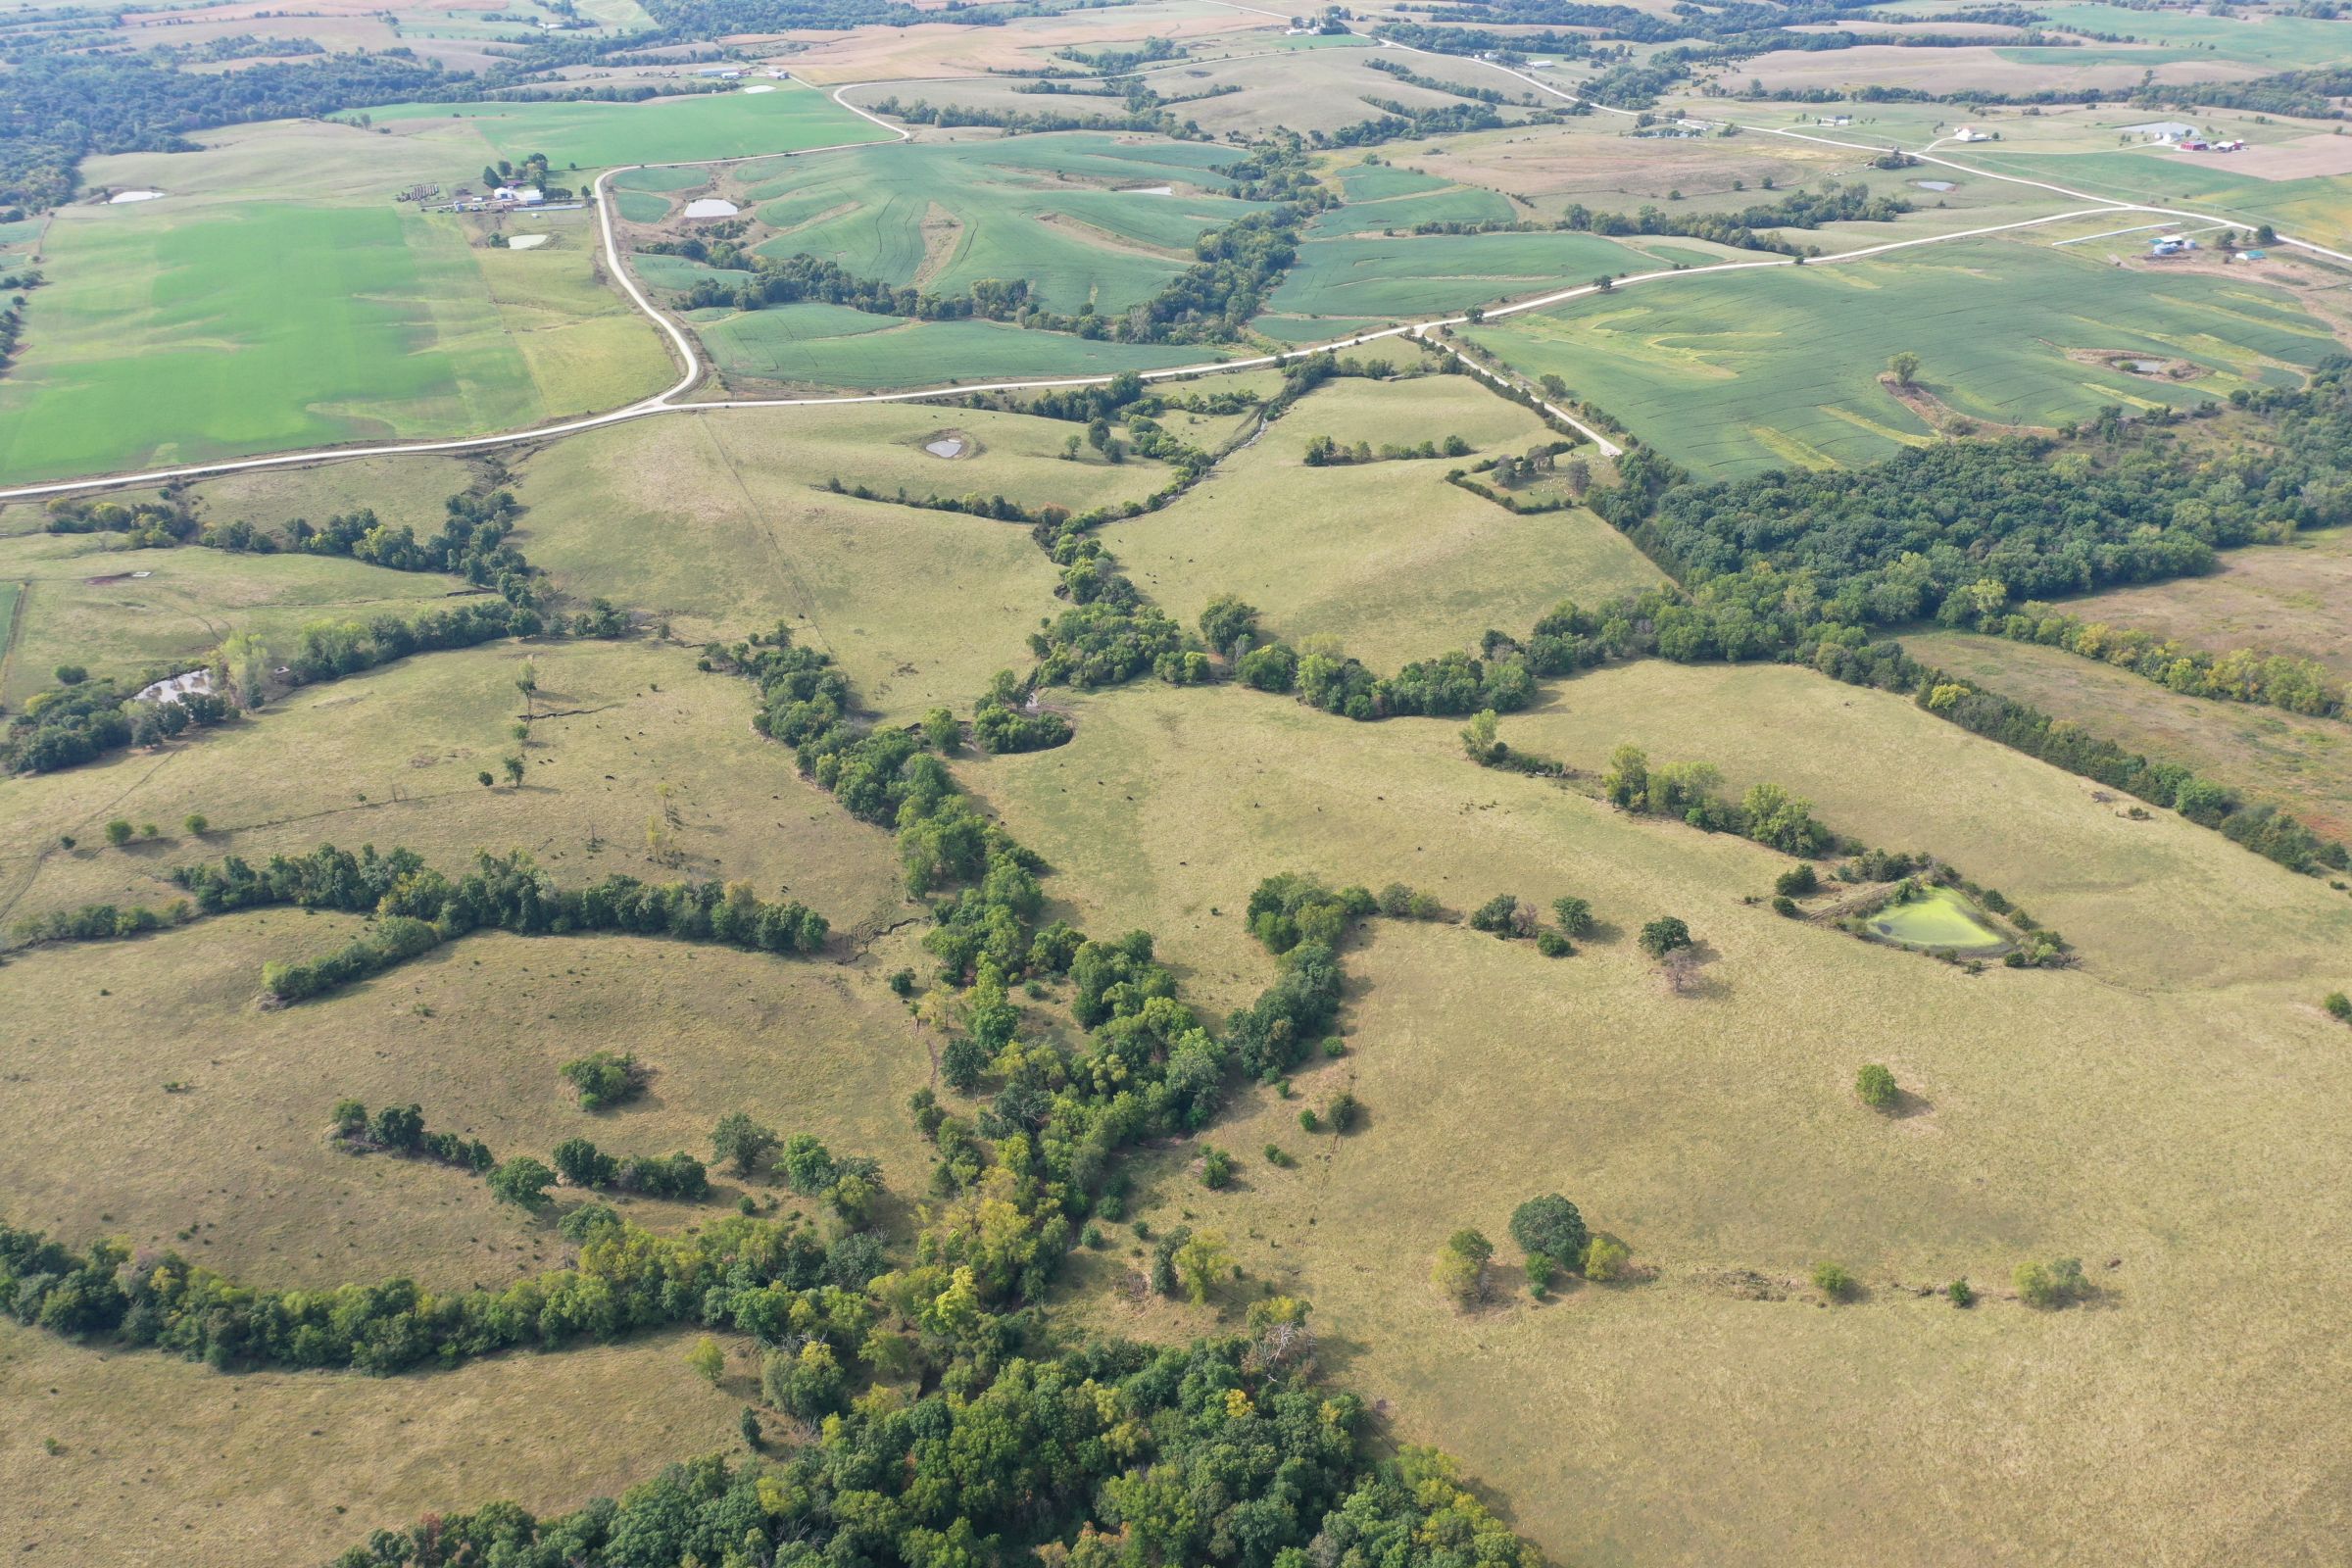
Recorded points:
(918, 606)
(2274, 42)
(2298, 764)
(2288, 598)
(2313, 207)
(589, 135)
(1780, 365)
(218, 1472)
(627, 734)
(1718, 1133)
(1988, 66)
(82, 604)
(236, 1170)
(403, 490)
(1086, 218)
(277, 297)
(1386, 556)
(819, 346)
(1403, 277)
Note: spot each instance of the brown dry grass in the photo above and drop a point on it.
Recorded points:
(165, 1464)
(2287, 599)
(2098, 1113)
(236, 1170)
(2300, 764)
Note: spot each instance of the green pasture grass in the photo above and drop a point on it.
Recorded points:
(1717, 1132)
(1938, 918)
(2299, 763)
(2292, 599)
(625, 734)
(1376, 275)
(410, 490)
(178, 611)
(475, 1033)
(1368, 181)
(820, 346)
(718, 522)
(1071, 214)
(1778, 367)
(641, 206)
(601, 135)
(2314, 207)
(663, 181)
(1386, 556)
(301, 1465)
(1301, 90)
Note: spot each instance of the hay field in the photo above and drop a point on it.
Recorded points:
(1087, 219)
(629, 732)
(172, 1465)
(2298, 764)
(474, 1033)
(926, 50)
(1674, 1421)
(277, 297)
(918, 606)
(1387, 557)
(1989, 68)
(82, 604)
(2288, 598)
(1780, 365)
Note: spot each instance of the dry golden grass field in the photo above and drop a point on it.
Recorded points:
(235, 1170)
(2289, 599)
(2098, 1113)
(629, 735)
(165, 1464)
(1387, 557)
(720, 525)
(2298, 764)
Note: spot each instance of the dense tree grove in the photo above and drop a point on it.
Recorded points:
(420, 908)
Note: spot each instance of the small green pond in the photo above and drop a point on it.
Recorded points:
(1939, 917)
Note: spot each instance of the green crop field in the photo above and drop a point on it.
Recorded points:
(2274, 42)
(277, 298)
(2314, 207)
(1717, 1133)
(1404, 277)
(665, 131)
(1386, 558)
(1087, 219)
(833, 346)
(1780, 365)
(641, 206)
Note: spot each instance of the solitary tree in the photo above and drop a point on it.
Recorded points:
(1606, 1258)
(1460, 1270)
(513, 769)
(1905, 367)
(1833, 1282)
(1552, 1226)
(741, 1140)
(1574, 915)
(1200, 1263)
(708, 1361)
(1876, 1087)
(1664, 935)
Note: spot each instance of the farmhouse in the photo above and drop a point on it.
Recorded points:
(519, 195)
(1971, 134)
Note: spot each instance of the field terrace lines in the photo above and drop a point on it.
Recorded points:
(682, 344)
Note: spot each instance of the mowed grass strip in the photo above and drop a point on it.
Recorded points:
(1742, 372)
(1719, 1133)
